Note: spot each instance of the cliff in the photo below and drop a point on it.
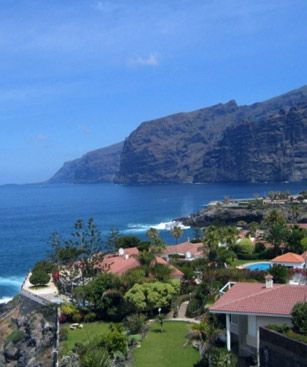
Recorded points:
(223, 143)
(100, 165)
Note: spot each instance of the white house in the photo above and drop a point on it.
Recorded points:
(248, 306)
(290, 260)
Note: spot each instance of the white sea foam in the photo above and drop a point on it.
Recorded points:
(13, 281)
(163, 226)
(5, 299)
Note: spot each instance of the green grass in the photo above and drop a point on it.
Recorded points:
(166, 349)
(90, 331)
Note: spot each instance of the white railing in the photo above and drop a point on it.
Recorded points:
(226, 288)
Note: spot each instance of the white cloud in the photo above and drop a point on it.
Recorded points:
(41, 137)
(85, 129)
(151, 60)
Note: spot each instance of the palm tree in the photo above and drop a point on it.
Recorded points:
(154, 236)
(176, 232)
(146, 259)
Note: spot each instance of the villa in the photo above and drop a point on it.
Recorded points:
(290, 260)
(127, 259)
(248, 306)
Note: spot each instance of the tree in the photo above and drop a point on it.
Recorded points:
(39, 278)
(304, 244)
(277, 234)
(299, 318)
(112, 239)
(150, 297)
(154, 235)
(295, 212)
(135, 324)
(245, 247)
(273, 217)
(146, 259)
(161, 272)
(127, 241)
(280, 273)
(176, 232)
(295, 236)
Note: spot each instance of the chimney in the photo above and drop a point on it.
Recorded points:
(268, 281)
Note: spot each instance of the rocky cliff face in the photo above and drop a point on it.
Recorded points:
(97, 166)
(222, 143)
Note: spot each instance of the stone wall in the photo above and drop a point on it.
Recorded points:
(277, 350)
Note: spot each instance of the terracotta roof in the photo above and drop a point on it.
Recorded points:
(194, 248)
(131, 251)
(254, 298)
(302, 225)
(118, 264)
(121, 264)
(289, 257)
(304, 255)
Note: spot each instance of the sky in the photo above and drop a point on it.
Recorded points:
(77, 75)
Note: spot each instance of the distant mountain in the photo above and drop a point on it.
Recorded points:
(261, 142)
(223, 143)
(97, 166)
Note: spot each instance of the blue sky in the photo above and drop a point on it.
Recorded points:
(78, 75)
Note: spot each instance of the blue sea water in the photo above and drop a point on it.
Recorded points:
(30, 213)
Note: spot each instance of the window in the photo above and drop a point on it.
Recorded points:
(234, 319)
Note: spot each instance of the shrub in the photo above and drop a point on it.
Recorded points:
(280, 328)
(135, 324)
(195, 308)
(280, 273)
(39, 278)
(304, 244)
(77, 317)
(90, 317)
(15, 337)
(44, 266)
(299, 318)
(245, 247)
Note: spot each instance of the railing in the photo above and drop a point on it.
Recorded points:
(226, 288)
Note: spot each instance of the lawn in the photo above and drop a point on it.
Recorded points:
(166, 349)
(90, 331)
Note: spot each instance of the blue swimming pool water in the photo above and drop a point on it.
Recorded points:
(261, 266)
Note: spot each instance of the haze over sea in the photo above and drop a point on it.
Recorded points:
(30, 213)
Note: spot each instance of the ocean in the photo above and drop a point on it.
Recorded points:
(30, 213)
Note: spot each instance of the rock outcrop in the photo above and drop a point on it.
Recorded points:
(98, 166)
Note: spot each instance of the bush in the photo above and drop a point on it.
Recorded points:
(304, 244)
(77, 317)
(280, 274)
(90, 317)
(195, 308)
(135, 324)
(15, 337)
(216, 357)
(44, 266)
(63, 334)
(299, 318)
(245, 247)
(39, 278)
(280, 328)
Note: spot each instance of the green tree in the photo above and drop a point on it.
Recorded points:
(273, 217)
(39, 278)
(151, 296)
(304, 244)
(280, 274)
(112, 239)
(146, 259)
(277, 234)
(176, 232)
(299, 317)
(294, 238)
(127, 241)
(161, 272)
(245, 247)
(154, 236)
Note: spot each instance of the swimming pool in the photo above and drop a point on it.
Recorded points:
(258, 266)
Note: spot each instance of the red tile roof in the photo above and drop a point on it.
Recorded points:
(118, 264)
(194, 248)
(255, 298)
(121, 264)
(289, 257)
(304, 255)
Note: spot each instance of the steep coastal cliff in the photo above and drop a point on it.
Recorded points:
(262, 142)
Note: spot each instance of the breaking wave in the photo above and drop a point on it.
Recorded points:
(163, 226)
(5, 300)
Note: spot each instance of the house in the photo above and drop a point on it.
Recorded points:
(290, 260)
(187, 251)
(248, 306)
(128, 258)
